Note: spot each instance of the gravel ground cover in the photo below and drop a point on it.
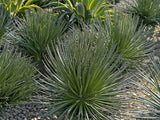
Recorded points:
(26, 112)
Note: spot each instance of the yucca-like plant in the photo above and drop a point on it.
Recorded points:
(35, 32)
(16, 78)
(150, 85)
(129, 39)
(82, 81)
(5, 21)
(147, 10)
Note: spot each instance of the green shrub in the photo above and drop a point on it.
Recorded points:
(35, 32)
(82, 79)
(129, 39)
(147, 10)
(150, 84)
(16, 78)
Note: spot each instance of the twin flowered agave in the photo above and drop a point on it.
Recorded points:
(84, 73)
(81, 80)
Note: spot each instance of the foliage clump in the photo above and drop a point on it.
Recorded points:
(16, 78)
(35, 32)
(147, 10)
(82, 80)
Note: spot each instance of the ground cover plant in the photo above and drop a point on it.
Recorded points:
(16, 78)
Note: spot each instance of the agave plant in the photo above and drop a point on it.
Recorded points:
(129, 39)
(18, 6)
(82, 80)
(147, 10)
(80, 10)
(35, 32)
(150, 84)
(16, 78)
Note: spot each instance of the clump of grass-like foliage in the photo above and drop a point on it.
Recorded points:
(147, 10)
(128, 37)
(16, 78)
(36, 31)
(82, 80)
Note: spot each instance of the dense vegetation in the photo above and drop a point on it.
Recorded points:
(80, 55)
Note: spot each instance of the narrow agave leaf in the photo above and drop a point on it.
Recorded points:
(28, 2)
(98, 6)
(29, 7)
(70, 3)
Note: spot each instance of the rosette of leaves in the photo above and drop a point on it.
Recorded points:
(129, 39)
(16, 78)
(150, 85)
(147, 10)
(35, 32)
(82, 81)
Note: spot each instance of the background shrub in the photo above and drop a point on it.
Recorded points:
(147, 10)
(35, 32)
(16, 78)
(128, 37)
(76, 11)
(150, 87)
